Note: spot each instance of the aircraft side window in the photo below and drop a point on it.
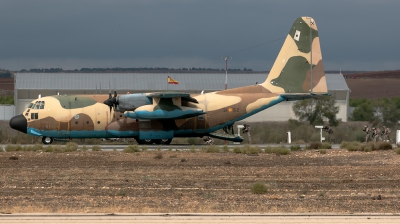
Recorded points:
(201, 117)
(27, 112)
(34, 116)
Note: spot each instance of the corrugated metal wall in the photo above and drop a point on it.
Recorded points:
(6, 112)
(133, 81)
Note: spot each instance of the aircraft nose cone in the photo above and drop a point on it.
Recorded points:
(19, 123)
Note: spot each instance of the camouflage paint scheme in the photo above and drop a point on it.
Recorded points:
(166, 117)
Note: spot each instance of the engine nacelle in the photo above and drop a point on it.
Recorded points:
(130, 102)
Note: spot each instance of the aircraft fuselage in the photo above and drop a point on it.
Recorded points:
(85, 116)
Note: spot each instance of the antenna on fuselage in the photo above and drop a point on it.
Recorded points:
(40, 96)
(95, 90)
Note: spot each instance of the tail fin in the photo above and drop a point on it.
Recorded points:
(299, 62)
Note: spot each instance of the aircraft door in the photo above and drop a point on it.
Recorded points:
(76, 122)
(88, 120)
(200, 123)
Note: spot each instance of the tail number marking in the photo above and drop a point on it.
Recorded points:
(230, 109)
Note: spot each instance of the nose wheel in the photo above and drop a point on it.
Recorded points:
(47, 140)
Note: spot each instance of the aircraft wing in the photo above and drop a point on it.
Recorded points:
(184, 96)
(303, 96)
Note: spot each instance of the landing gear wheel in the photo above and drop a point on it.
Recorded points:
(148, 141)
(164, 141)
(47, 140)
(145, 141)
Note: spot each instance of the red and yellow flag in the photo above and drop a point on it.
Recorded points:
(172, 81)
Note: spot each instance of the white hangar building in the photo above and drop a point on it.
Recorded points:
(28, 86)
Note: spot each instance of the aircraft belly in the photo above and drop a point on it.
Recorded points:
(156, 134)
(124, 127)
(75, 134)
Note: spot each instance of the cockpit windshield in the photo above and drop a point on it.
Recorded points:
(36, 105)
(31, 112)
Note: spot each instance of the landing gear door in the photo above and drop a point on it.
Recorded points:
(201, 123)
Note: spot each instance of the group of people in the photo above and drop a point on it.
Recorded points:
(376, 133)
(372, 133)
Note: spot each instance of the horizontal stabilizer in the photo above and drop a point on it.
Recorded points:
(302, 96)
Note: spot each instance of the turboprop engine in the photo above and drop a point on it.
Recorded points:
(130, 102)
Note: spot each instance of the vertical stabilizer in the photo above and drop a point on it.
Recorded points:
(299, 61)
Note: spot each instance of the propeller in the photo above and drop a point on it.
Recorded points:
(111, 101)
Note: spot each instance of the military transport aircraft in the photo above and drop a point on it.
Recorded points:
(158, 117)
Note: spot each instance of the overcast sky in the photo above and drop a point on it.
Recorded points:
(72, 34)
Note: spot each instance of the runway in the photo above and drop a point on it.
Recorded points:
(120, 147)
(188, 147)
(198, 218)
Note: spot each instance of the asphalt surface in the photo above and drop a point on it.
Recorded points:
(199, 218)
(187, 147)
(119, 147)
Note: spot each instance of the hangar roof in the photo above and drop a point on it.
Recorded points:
(336, 82)
(147, 81)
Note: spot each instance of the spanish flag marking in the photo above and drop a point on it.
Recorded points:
(172, 81)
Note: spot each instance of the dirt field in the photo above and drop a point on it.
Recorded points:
(304, 181)
(373, 88)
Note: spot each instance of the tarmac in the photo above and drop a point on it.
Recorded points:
(247, 218)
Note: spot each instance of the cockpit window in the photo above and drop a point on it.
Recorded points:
(36, 105)
(30, 105)
(41, 104)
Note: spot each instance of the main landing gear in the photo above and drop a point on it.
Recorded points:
(165, 141)
(47, 140)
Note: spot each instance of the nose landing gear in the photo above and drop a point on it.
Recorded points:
(47, 140)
